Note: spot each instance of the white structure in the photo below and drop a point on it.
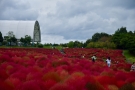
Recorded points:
(21, 28)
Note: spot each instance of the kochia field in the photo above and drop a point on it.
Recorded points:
(49, 69)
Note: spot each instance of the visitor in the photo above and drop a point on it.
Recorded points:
(116, 62)
(108, 61)
(133, 67)
(83, 56)
(93, 58)
(62, 50)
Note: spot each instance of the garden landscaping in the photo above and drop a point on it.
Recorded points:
(49, 69)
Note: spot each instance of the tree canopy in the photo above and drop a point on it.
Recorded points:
(1, 38)
(97, 36)
(26, 40)
(121, 39)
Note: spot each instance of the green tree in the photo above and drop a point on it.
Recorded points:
(70, 44)
(87, 42)
(109, 45)
(6, 38)
(91, 45)
(120, 38)
(12, 40)
(105, 38)
(106, 44)
(78, 44)
(1, 38)
(27, 39)
(131, 44)
(63, 44)
(124, 39)
(121, 30)
(22, 40)
(97, 36)
(10, 34)
(11, 37)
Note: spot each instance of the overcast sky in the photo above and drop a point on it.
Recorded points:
(62, 21)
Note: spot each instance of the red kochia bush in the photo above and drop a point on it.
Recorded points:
(122, 76)
(127, 86)
(13, 82)
(92, 84)
(3, 74)
(5, 86)
(48, 84)
(106, 80)
(30, 85)
(21, 74)
(5, 58)
(51, 76)
(48, 69)
(62, 86)
(120, 83)
(34, 76)
(77, 82)
(130, 80)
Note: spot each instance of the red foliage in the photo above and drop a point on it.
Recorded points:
(4, 86)
(48, 69)
(106, 80)
(92, 84)
(13, 82)
(120, 83)
(3, 75)
(51, 76)
(29, 85)
(61, 86)
(48, 84)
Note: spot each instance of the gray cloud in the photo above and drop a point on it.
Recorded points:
(127, 4)
(17, 10)
(66, 20)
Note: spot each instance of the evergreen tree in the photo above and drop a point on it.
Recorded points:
(1, 38)
(97, 36)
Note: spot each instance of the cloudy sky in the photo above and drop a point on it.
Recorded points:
(62, 21)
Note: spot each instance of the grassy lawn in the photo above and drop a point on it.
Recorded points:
(47, 47)
(129, 57)
(57, 47)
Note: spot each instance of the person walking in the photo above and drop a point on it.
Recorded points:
(93, 58)
(133, 67)
(108, 61)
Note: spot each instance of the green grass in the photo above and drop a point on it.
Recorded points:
(47, 47)
(129, 57)
(56, 47)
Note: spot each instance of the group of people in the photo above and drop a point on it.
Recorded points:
(108, 62)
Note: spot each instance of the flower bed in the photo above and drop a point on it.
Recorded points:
(48, 69)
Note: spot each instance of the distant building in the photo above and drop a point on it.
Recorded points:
(21, 28)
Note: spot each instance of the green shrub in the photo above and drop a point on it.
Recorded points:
(40, 46)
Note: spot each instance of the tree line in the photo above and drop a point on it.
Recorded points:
(121, 39)
(11, 39)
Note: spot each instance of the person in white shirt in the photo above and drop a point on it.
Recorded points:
(108, 61)
(133, 67)
(93, 58)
